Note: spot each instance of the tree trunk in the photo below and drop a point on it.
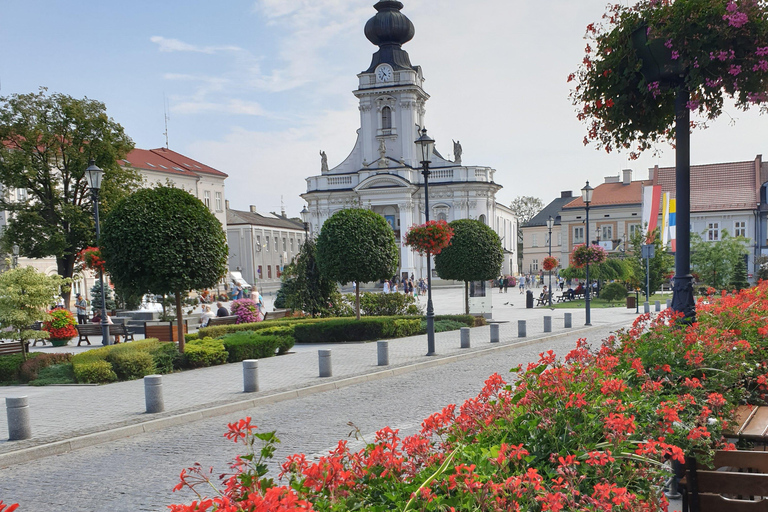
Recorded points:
(466, 297)
(180, 321)
(65, 267)
(357, 299)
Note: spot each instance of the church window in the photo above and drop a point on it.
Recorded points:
(386, 118)
(442, 216)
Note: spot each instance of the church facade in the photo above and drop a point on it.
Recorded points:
(383, 172)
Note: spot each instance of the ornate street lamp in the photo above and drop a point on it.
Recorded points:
(305, 219)
(94, 174)
(427, 145)
(550, 223)
(586, 196)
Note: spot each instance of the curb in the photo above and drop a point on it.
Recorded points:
(121, 432)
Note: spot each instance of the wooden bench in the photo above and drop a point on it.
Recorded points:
(85, 330)
(222, 320)
(13, 347)
(704, 487)
(278, 313)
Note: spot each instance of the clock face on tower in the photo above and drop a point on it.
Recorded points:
(384, 73)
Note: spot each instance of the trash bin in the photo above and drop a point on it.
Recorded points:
(630, 302)
(529, 299)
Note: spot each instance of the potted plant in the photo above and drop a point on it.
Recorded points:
(712, 48)
(61, 327)
(91, 258)
(431, 237)
(583, 254)
(549, 263)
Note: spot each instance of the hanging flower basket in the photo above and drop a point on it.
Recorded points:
(583, 254)
(636, 57)
(431, 237)
(549, 263)
(61, 327)
(91, 258)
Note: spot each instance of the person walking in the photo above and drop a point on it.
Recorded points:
(81, 305)
(506, 283)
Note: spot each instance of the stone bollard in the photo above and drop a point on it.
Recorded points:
(521, 329)
(568, 321)
(250, 375)
(494, 333)
(669, 303)
(646, 307)
(153, 393)
(658, 305)
(17, 410)
(324, 357)
(547, 324)
(465, 337)
(382, 351)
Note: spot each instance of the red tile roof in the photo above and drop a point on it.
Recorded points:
(718, 187)
(166, 160)
(613, 194)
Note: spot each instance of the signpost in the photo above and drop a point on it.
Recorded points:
(648, 252)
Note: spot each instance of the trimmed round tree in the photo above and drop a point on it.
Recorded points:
(475, 254)
(357, 245)
(163, 240)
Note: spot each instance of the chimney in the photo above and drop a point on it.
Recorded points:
(566, 193)
(627, 176)
(253, 208)
(226, 203)
(611, 179)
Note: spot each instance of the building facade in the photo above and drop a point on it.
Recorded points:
(383, 171)
(260, 245)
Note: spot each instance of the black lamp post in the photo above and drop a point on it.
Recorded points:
(305, 220)
(427, 145)
(586, 196)
(550, 223)
(94, 174)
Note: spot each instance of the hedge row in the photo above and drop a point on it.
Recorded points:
(126, 361)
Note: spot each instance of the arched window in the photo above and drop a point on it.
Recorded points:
(481, 219)
(386, 118)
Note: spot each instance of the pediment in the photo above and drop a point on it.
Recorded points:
(383, 181)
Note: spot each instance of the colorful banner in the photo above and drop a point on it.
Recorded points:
(668, 221)
(651, 201)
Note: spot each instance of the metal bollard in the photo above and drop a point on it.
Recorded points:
(250, 375)
(646, 307)
(465, 337)
(658, 305)
(494, 333)
(568, 321)
(382, 351)
(521, 329)
(153, 393)
(669, 303)
(324, 357)
(547, 324)
(17, 410)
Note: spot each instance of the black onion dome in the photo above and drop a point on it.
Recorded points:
(389, 26)
(389, 29)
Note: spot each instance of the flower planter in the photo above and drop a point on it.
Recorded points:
(59, 342)
(163, 331)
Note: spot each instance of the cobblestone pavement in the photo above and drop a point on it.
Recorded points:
(137, 472)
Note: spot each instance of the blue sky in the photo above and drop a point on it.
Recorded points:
(257, 88)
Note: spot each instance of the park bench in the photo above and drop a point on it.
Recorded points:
(278, 313)
(13, 347)
(704, 487)
(222, 320)
(85, 330)
(563, 297)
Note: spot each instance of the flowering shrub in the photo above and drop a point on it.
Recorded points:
(247, 311)
(61, 326)
(583, 254)
(721, 48)
(590, 431)
(431, 237)
(549, 263)
(91, 258)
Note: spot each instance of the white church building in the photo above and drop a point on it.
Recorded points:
(383, 171)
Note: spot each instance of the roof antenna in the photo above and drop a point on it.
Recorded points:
(166, 116)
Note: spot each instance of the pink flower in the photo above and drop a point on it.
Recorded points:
(760, 66)
(675, 55)
(762, 51)
(734, 70)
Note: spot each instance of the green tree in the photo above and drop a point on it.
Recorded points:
(163, 240)
(715, 262)
(525, 208)
(660, 265)
(305, 288)
(25, 295)
(45, 144)
(475, 254)
(357, 245)
(739, 280)
(612, 269)
(109, 300)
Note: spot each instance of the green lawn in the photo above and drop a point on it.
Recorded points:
(600, 303)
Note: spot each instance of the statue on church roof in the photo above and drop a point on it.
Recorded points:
(323, 161)
(383, 162)
(456, 152)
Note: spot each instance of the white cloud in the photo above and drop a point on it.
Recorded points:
(235, 106)
(174, 45)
